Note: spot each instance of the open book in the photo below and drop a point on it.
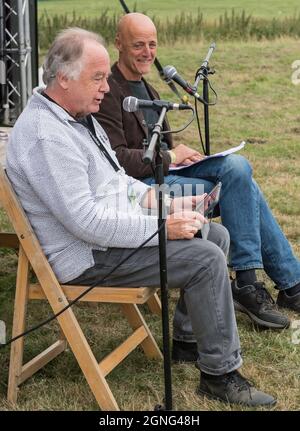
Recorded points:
(222, 154)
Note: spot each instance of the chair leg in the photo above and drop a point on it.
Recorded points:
(136, 320)
(71, 331)
(86, 361)
(154, 304)
(16, 353)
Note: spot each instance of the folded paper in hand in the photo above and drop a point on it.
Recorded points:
(222, 154)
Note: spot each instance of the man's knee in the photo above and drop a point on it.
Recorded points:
(194, 261)
(188, 256)
(207, 254)
(219, 235)
(238, 165)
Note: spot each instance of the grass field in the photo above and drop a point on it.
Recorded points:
(211, 9)
(257, 103)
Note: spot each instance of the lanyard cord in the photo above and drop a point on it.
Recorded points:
(92, 132)
(88, 124)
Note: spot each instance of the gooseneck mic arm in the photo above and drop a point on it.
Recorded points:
(204, 66)
(210, 51)
(149, 154)
(203, 73)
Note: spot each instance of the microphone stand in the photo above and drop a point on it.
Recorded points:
(201, 75)
(154, 147)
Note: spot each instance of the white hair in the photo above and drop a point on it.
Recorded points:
(65, 53)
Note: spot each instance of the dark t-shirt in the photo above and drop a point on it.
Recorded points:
(151, 116)
(139, 91)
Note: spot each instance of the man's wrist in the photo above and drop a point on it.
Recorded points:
(168, 203)
(172, 155)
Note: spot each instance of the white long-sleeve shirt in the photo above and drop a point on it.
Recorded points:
(73, 197)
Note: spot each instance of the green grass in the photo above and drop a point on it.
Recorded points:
(257, 103)
(211, 9)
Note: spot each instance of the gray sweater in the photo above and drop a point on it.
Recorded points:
(74, 199)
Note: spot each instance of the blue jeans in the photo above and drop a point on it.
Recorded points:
(257, 240)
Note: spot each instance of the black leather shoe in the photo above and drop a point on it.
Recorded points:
(184, 352)
(257, 303)
(233, 388)
(289, 302)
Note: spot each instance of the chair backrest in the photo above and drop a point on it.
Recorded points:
(25, 233)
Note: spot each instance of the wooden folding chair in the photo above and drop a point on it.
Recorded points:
(48, 287)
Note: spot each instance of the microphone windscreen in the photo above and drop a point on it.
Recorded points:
(169, 72)
(130, 104)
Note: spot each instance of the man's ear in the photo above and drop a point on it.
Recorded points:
(118, 43)
(63, 80)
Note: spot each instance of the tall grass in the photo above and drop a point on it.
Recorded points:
(184, 27)
(49, 26)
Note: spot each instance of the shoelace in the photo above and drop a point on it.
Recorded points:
(239, 381)
(263, 296)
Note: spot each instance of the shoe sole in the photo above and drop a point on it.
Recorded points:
(216, 398)
(257, 320)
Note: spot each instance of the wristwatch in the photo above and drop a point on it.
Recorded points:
(172, 156)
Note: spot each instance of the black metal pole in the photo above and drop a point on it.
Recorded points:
(33, 16)
(159, 179)
(206, 113)
(154, 148)
(202, 75)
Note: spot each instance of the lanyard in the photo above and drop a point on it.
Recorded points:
(91, 129)
(88, 124)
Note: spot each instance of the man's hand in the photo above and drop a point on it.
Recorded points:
(184, 225)
(186, 155)
(186, 203)
(192, 159)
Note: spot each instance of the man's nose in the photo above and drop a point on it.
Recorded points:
(147, 50)
(104, 86)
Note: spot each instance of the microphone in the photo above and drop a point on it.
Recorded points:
(132, 104)
(171, 73)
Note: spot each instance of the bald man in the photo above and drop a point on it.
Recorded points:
(257, 241)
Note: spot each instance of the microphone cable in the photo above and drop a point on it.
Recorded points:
(210, 86)
(54, 316)
(205, 103)
(165, 132)
(199, 126)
